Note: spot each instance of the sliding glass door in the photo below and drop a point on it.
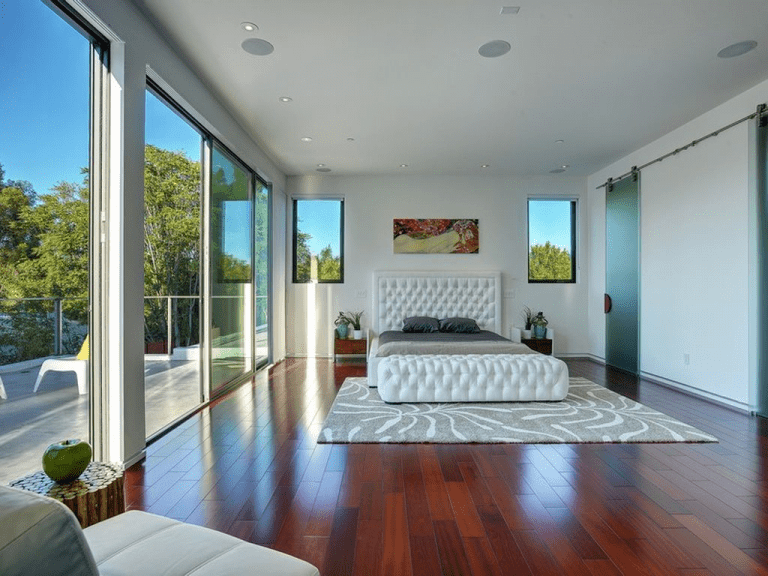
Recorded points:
(172, 192)
(231, 269)
(262, 267)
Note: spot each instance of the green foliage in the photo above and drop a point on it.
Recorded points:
(549, 262)
(328, 267)
(171, 244)
(303, 257)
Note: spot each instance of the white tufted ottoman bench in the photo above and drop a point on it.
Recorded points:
(471, 378)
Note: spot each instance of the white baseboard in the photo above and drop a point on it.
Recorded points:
(140, 455)
(698, 392)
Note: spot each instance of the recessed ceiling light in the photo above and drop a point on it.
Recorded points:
(485, 166)
(285, 99)
(350, 139)
(321, 165)
(403, 165)
(557, 171)
(510, 9)
(323, 169)
(306, 139)
(248, 26)
(565, 166)
(257, 47)
(737, 49)
(559, 141)
(494, 48)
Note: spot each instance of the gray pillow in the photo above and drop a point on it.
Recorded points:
(459, 325)
(421, 324)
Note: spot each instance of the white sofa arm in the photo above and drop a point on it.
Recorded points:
(39, 535)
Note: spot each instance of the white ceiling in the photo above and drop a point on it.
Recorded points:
(405, 80)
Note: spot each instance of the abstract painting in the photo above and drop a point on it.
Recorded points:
(436, 236)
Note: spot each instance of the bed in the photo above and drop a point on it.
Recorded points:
(437, 370)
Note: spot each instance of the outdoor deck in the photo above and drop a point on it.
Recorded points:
(30, 422)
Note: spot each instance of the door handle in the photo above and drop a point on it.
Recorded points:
(607, 303)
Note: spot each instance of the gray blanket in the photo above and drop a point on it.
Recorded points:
(483, 342)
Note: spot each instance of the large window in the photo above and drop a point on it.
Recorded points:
(172, 180)
(551, 240)
(49, 170)
(318, 241)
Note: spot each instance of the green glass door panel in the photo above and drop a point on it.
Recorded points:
(762, 266)
(231, 260)
(622, 274)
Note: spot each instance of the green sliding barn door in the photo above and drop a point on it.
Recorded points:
(762, 263)
(622, 274)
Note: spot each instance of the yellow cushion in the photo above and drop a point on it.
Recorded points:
(85, 350)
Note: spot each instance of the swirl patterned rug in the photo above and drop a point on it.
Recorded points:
(590, 413)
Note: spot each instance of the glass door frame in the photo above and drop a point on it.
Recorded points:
(208, 270)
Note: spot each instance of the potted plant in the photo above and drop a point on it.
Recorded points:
(540, 326)
(342, 325)
(528, 317)
(354, 319)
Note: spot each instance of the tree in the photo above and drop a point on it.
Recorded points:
(549, 262)
(328, 267)
(171, 243)
(303, 257)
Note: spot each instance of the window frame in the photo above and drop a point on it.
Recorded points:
(574, 212)
(295, 239)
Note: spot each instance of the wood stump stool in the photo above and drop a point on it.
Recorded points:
(96, 495)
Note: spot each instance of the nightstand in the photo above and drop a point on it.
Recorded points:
(543, 345)
(351, 348)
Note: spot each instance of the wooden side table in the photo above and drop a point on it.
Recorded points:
(543, 345)
(96, 495)
(349, 347)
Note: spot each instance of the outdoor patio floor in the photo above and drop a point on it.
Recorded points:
(30, 422)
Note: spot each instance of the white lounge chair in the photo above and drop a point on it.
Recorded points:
(78, 365)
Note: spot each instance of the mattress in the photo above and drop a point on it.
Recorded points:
(484, 342)
(471, 378)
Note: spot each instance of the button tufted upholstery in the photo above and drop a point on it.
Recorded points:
(472, 378)
(400, 295)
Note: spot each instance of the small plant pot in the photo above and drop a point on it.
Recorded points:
(526, 334)
(357, 334)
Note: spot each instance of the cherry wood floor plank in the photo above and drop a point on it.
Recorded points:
(249, 464)
(434, 485)
(396, 555)
(503, 543)
(724, 548)
(464, 510)
(450, 549)
(368, 548)
(342, 543)
(425, 560)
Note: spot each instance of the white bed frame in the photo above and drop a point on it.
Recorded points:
(477, 295)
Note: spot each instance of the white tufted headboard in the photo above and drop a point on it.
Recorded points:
(397, 295)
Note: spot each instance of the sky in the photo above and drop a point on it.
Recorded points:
(43, 96)
(550, 221)
(320, 219)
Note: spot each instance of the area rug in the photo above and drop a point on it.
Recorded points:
(590, 413)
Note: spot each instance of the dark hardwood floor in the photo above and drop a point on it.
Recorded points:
(249, 465)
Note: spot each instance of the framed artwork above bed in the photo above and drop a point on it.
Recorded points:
(435, 236)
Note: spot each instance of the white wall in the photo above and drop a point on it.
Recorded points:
(371, 203)
(137, 50)
(695, 255)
